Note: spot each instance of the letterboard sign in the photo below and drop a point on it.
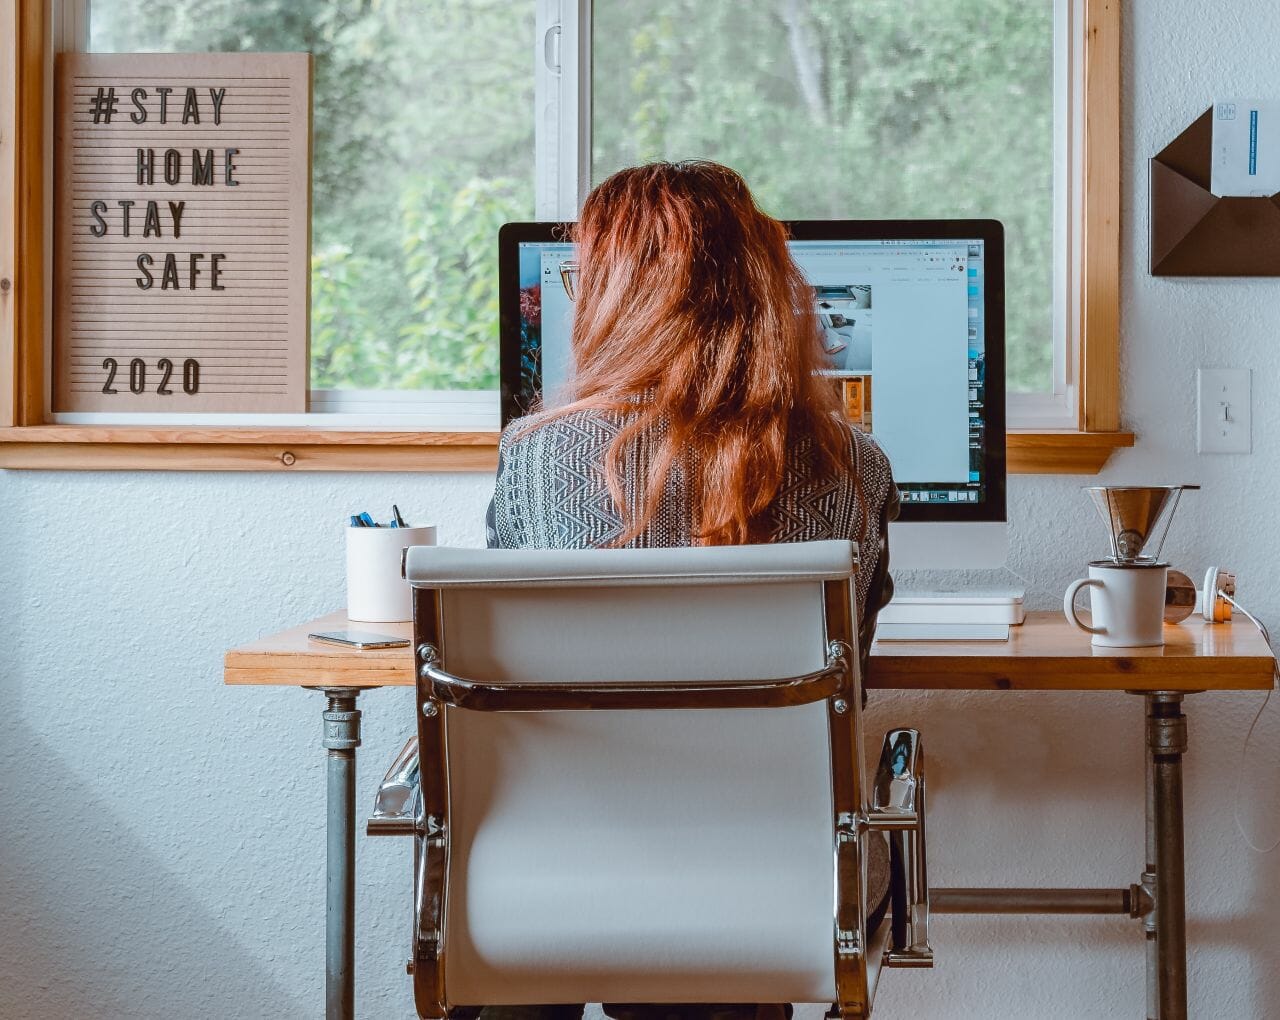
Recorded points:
(182, 233)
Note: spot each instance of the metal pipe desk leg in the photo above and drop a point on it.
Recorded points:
(1149, 886)
(1166, 743)
(341, 738)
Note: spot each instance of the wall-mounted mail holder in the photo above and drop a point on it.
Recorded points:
(1196, 233)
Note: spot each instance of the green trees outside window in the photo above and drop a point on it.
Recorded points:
(852, 109)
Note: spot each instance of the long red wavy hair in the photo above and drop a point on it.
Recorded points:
(690, 314)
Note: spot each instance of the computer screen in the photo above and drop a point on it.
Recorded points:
(911, 317)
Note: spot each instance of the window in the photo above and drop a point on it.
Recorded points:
(832, 110)
(423, 147)
(896, 110)
(883, 110)
(427, 127)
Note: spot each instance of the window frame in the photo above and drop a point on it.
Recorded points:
(561, 86)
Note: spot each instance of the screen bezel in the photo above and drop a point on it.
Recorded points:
(990, 232)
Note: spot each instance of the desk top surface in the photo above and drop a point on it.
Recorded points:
(1044, 654)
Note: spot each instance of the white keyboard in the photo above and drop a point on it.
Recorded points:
(955, 607)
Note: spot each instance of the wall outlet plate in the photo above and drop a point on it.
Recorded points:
(1223, 406)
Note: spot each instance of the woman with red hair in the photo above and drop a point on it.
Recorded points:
(695, 414)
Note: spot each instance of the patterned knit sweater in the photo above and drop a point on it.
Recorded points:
(551, 493)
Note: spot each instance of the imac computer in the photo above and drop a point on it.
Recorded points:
(911, 315)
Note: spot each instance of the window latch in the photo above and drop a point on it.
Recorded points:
(551, 49)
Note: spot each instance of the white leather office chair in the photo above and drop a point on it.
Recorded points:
(641, 781)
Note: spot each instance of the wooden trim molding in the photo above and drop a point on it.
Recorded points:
(246, 457)
(102, 448)
(124, 448)
(23, 30)
(25, 442)
(1100, 226)
(8, 202)
(1062, 453)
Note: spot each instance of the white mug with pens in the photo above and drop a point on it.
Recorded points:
(376, 591)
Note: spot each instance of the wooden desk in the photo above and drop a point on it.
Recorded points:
(1043, 654)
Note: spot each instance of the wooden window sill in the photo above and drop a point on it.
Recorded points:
(1062, 453)
(145, 448)
(139, 448)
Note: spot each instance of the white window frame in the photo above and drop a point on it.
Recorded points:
(563, 178)
(562, 105)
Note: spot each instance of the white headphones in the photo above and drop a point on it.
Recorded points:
(1211, 605)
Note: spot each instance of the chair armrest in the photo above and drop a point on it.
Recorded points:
(398, 801)
(461, 692)
(898, 807)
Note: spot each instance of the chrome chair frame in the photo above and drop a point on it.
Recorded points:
(414, 797)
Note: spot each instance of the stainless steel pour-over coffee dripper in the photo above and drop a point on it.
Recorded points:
(1137, 518)
(1129, 589)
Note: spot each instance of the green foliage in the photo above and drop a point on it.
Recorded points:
(451, 261)
(349, 343)
(437, 327)
(832, 109)
(423, 140)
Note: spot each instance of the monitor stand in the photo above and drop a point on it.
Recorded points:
(947, 545)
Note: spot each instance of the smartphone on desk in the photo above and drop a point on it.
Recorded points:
(359, 639)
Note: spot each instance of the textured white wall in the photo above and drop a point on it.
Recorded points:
(161, 849)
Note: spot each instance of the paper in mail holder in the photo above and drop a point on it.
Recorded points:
(1197, 233)
(1246, 148)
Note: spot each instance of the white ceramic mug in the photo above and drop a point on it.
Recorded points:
(376, 592)
(1126, 603)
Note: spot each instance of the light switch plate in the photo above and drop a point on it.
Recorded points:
(1223, 410)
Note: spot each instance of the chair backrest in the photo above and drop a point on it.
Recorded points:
(672, 854)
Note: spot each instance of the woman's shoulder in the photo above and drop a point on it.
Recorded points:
(869, 452)
(556, 427)
(876, 472)
(866, 454)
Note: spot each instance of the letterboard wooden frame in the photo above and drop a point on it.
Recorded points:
(182, 232)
